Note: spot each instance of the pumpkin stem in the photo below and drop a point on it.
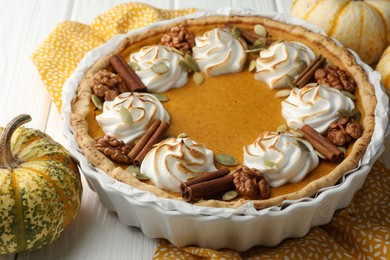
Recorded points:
(6, 158)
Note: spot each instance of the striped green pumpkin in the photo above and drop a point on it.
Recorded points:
(40, 188)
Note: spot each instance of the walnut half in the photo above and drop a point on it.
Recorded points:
(251, 182)
(180, 38)
(107, 85)
(113, 148)
(344, 131)
(335, 77)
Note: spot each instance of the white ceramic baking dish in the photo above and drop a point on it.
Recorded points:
(184, 224)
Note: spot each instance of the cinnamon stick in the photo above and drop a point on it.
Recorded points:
(321, 144)
(205, 177)
(250, 37)
(308, 73)
(208, 188)
(144, 139)
(124, 70)
(154, 138)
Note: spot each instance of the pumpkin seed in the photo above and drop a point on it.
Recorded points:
(229, 195)
(126, 116)
(254, 50)
(97, 102)
(198, 78)
(226, 159)
(349, 94)
(343, 149)
(296, 133)
(356, 114)
(136, 172)
(259, 44)
(177, 51)
(236, 32)
(252, 65)
(133, 169)
(320, 155)
(260, 30)
(134, 66)
(191, 62)
(141, 176)
(270, 165)
(302, 65)
(283, 93)
(182, 135)
(290, 81)
(282, 128)
(184, 65)
(345, 113)
(160, 68)
(161, 97)
(303, 146)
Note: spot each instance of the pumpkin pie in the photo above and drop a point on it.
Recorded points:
(220, 111)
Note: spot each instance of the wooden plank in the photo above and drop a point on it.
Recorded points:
(260, 6)
(22, 90)
(283, 6)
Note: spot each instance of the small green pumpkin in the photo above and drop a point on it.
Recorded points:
(40, 188)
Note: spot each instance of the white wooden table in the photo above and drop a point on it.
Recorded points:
(96, 233)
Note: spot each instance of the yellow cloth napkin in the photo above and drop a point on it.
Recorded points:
(359, 231)
(59, 54)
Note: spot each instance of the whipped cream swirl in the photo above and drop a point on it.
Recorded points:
(175, 160)
(143, 107)
(316, 106)
(281, 59)
(217, 52)
(281, 157)
(175, 77)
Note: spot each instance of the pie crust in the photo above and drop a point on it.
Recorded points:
(321, 44)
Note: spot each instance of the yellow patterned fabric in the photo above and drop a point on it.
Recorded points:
(59, 54)
(362, 230)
